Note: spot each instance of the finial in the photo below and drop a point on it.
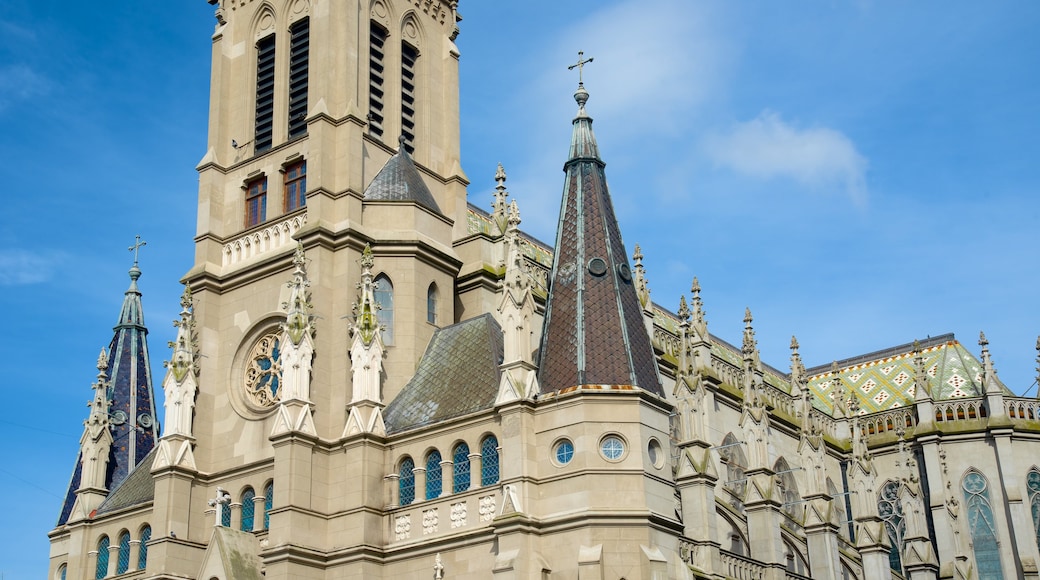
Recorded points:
(794, 344)
(982, 340)
(749, 345)
(514, 216)
(298, 307)
(637, 257)
(916, 348)
(834, 368)
(367, 261)
(499, 206)
(400, 143)
(500, 177)
(1038, 366)
(684, 311)
(581, 95)
(138, 244)
(102, 362)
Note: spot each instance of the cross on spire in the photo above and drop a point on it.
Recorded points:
(137, 247)
(580, 65)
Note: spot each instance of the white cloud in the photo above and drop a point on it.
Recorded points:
(20, 267)
(767, 147)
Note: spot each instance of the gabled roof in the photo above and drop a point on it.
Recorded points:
(399, 180)
(457, 375)
(593, 332)
(138, 488)
(232, 555)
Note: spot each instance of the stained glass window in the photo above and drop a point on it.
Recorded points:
(891, 513)
(142, 550)
(268, 504)
(1033, 485)
(101, 570)
(460, 470)
(612, 447)
(433, 475)
(248, 509)
(384, 295)
(431, 304)
(983, 526)
(123, 564)
(564, 452)
(406, 481)
(489, 472)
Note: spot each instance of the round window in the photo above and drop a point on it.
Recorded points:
(264, 371)
(563, 452)
(653, 449)
(612, 447)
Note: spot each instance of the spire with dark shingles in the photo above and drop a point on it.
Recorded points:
(593, 332)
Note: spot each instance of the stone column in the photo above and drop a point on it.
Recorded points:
(420, 483)
(764, 516)
(821, 535)
(135, 554)
(447, 477)
(113, 559)
(476, 470)
(394, 482)
(696, 479)
(259, 507)
(236, 516)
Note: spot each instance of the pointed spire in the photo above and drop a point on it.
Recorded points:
(594, 330)
(838, 393)
(922, 391)
(298, 317)
(685, 349)
(516, 310)
(1038, 367)
(180, 384)
(366, 357)
(749, 347)
(642, 288)
(989, 373)
(500, 207)
(366, 324)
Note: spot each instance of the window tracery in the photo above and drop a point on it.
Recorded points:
(263, 371)
(983, 527)
(891, 513)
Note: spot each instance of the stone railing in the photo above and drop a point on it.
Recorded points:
(902, 417)
(727, 372)
(259, 242)
(1020, 408)
(667, 342)
(960, 410)
(445, 515)
(741, 567)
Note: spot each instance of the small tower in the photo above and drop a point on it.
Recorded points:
(366, 358)
(516, 312)
(180, 386)
(297, 352)
(95, 447)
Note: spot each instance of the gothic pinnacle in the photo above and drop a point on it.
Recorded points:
(749, 345)
(684, 311)
(500, 206)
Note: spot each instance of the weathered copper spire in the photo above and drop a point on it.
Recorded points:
(593, 331)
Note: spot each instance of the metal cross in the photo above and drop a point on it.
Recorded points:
(580, 64)
(136, 247)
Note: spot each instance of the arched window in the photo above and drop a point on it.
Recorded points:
(62, 570)
(123, 564)
(892, 514)
(431, 304)
(101, 570)
(433, 475)
(248, 509)
(983, 527)
(384, 295)
(460, 470)
(795, 561)
(732, 454)
(788, 487)
(489, 472)
(406, 481)
(268, 504)
(142, 550)
(1033, 485)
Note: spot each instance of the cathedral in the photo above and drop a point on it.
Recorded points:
(373, 377)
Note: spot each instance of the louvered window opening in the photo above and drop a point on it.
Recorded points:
(295, 186)
(101, 570)
(460, 469)
(264, 134)
(299, 50)
(406, 481)
(376, 58)
(123, 563)
(489, 472)
(409, 56)
(433, 475)
(142, 550)
(248, 509)
(268, 504)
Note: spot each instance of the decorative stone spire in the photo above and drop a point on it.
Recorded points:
(922, 392)
(797, 370)
(642, 288)
(1038, 367)
(917, 545)
(180, 386)
(839, 395)
(593, 331)
(500, 207)
(297, 353)
(685, 349)
(749, 347)
(516, 310)
(989, 373)
(95, 447)
(366, 357)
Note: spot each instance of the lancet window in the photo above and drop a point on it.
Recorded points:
(1033, 486)
(248, 509)
(264, 121)
(891, 513)
(101, 570)
(123, 561)
(982, 525)
(409, 58)
(384, 295)
(433, 475)
(268, 504)
(489, 471)
(406, 481)
(460, 468)
(431, 304)
(376, 80)
(142, 549)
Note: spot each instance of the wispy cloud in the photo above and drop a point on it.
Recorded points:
(19, 81)
(21, 267)
(767, 147)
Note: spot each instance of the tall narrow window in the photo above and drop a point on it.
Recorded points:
(409, 56)
(225, 515)
(256, 202)
(431, 304)
(892, 514)
(264, 133)
(489, 472)
(788, 487)
(1033, 485)
(295, 185)
(142, 549)
(123, 563)
(248, 509)
(101, 570)
(983, 526)
(406, 481)
(268, 504)
(299, 49)
(62, 571)
(376, 72)
(460, 477)
(433, 475)
(384, 295)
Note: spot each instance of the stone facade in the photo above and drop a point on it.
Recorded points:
(354, 391)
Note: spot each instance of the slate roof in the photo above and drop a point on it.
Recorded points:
(136, 489)
(593, 332)
(399, 180)
(457, 375)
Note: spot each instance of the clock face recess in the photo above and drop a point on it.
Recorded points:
(263, 376)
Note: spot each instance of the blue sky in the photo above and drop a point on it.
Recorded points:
(859, 174)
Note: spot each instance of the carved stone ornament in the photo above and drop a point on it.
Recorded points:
(263, 376)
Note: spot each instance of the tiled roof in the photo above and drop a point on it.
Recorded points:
(457, 375)
(399, 180)
(593, 332)
(136, 489)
